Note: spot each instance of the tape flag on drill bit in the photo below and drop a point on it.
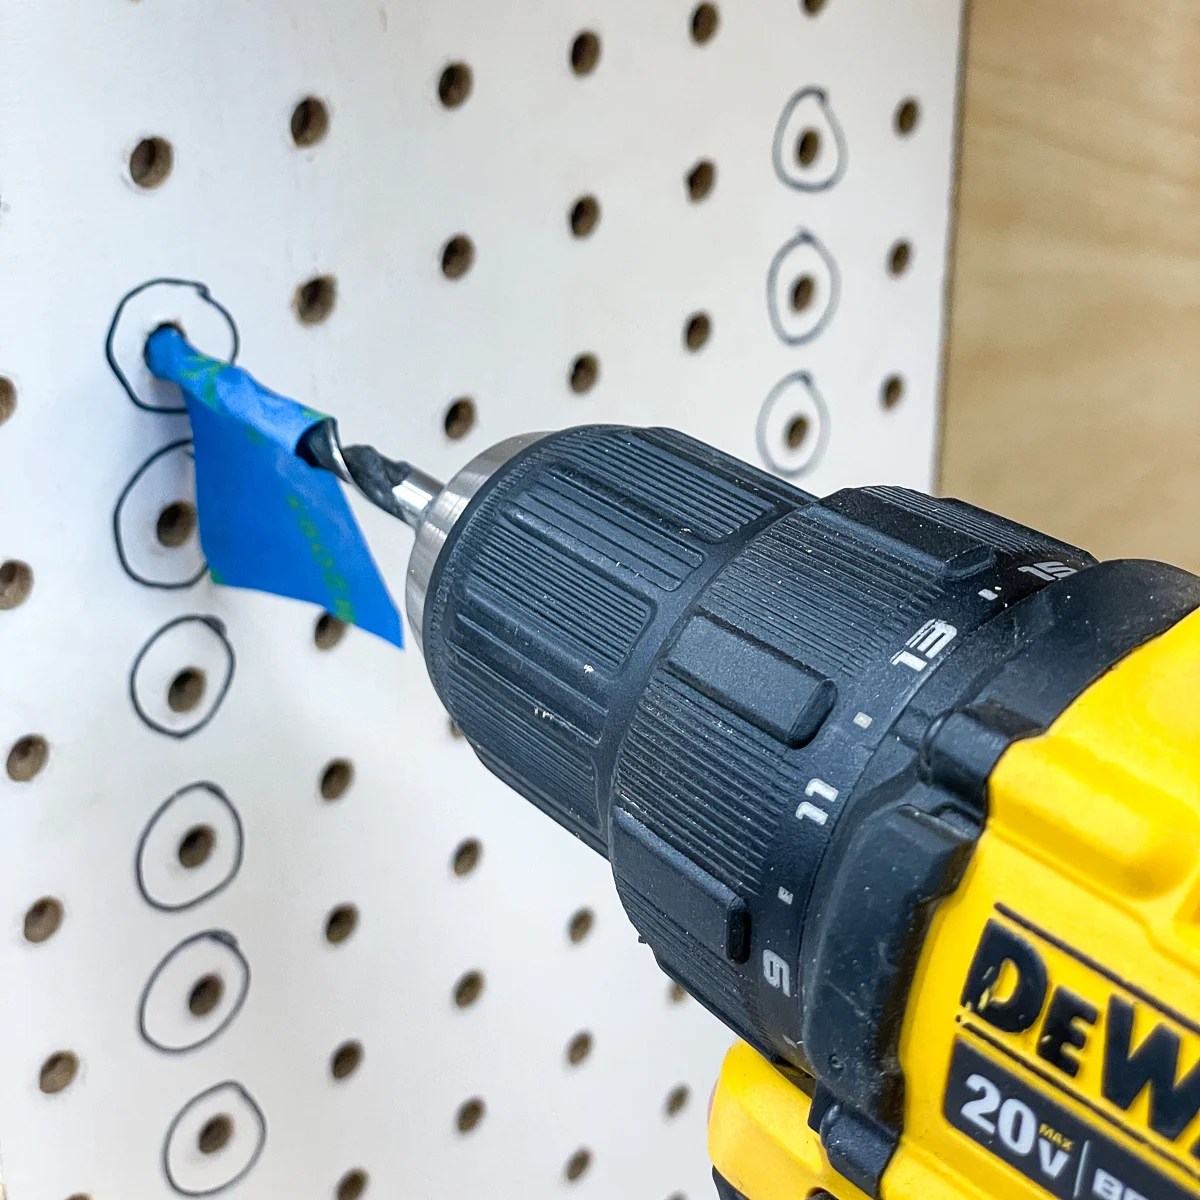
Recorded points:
(268, 520)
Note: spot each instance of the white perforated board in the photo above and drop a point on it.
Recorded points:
(252, 216)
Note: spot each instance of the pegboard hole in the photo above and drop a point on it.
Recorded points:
(27, 757)
(705, 20)
(328, 631)
(16, 582)
(176, 523)
(696, 331)
(812, 7)
(454, 731)
(215, 1134)
(468, 989)
(585, 216)
(585, 371)
(341, 923)
(677, 993)
(803, 291)
(580, 925)
(352, 1185)
(908, 113)
(455, 84)
(579, 1047)
(796, 433)
(43, 919)
(892, 391)
(58, 1072)
(467, 856)
(186, 690)
(315, 299)
(205, 995)
(458, 254)
(577, 1165)
(151, 162)
(899, 257)
(196, 845)
(808, 146)
(460, 418)
(8, 398)
(347, 1058)
(336, 779)
(677, 1100)
(700, 180)
(470, 1113)
(310, 121)
(585, 53)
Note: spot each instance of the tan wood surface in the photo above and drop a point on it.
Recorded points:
(1073, 365)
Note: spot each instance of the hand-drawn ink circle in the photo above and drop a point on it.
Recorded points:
(138, 549)
(166, 1019)
(169, 874)
(197, 1164)
(816, 132)
(157, 665)
(793, 426)
(141, 311)
(803, 257)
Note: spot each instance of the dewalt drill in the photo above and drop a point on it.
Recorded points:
(905, 793)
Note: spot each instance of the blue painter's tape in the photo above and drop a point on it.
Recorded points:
(268, 520)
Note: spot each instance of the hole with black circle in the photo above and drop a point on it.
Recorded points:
(580, 924)
(468, 989)
(176, 523)
(310, 121)
(8, 398)
(58, 1072)
(151, 162)
(899, 257)
(336, 779)
(796, 433)
(697, 330)
(585, 53)
(186, 690)
(196, 845)
(341, 923)
(700, 180)
(460, 418)
(578, 1164)
(346, 1059)
(467, 856)
(215, 1134)
(454, 86)
(469, 1114)
(803, 291)
(16, 582)
(315, 299)
(27, 757)
(328, 631)
(352, 1185)
(908, 113)
(458, 254)
(892, 391)
(205, 995)
(808, 146)
(42, 919)
(705, 20)
(584, 216)
(585, 371)
(579, 1047)
(677, 1099)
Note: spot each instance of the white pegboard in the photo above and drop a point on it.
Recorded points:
(252, 216)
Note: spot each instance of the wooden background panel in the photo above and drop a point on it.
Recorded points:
(1073, 367)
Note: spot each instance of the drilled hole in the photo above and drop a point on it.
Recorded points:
(899, 257)
(577, 1165)
(908, 113)
(347, 1058)
(27, 757)
(8, 398)
(310, 121)
(470, 1113)
(585, 215)
(58, 1071)
(196, 845)
(467, 856)
(455, 732)
(341, 923)
(700, 180)
(455, 84)
(315, 299)
(352, 1185)
(677, 993)
(696, 331)
(796, 432)
(215, 1134)
(585, 370)
(892, 391)
(705, 20)
(460, 417)
(808, 146)
(151, 162)
(468, 989)
(336, 779)
(579, 1047)
(812, 7)
(803, 291)
(328, 631)
(585, 53)
(186, 690)
(205, 995)
(176, 523)
(580, 925)
(677, 1100)
(43, 919)
(16, 581)
(457, 256)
